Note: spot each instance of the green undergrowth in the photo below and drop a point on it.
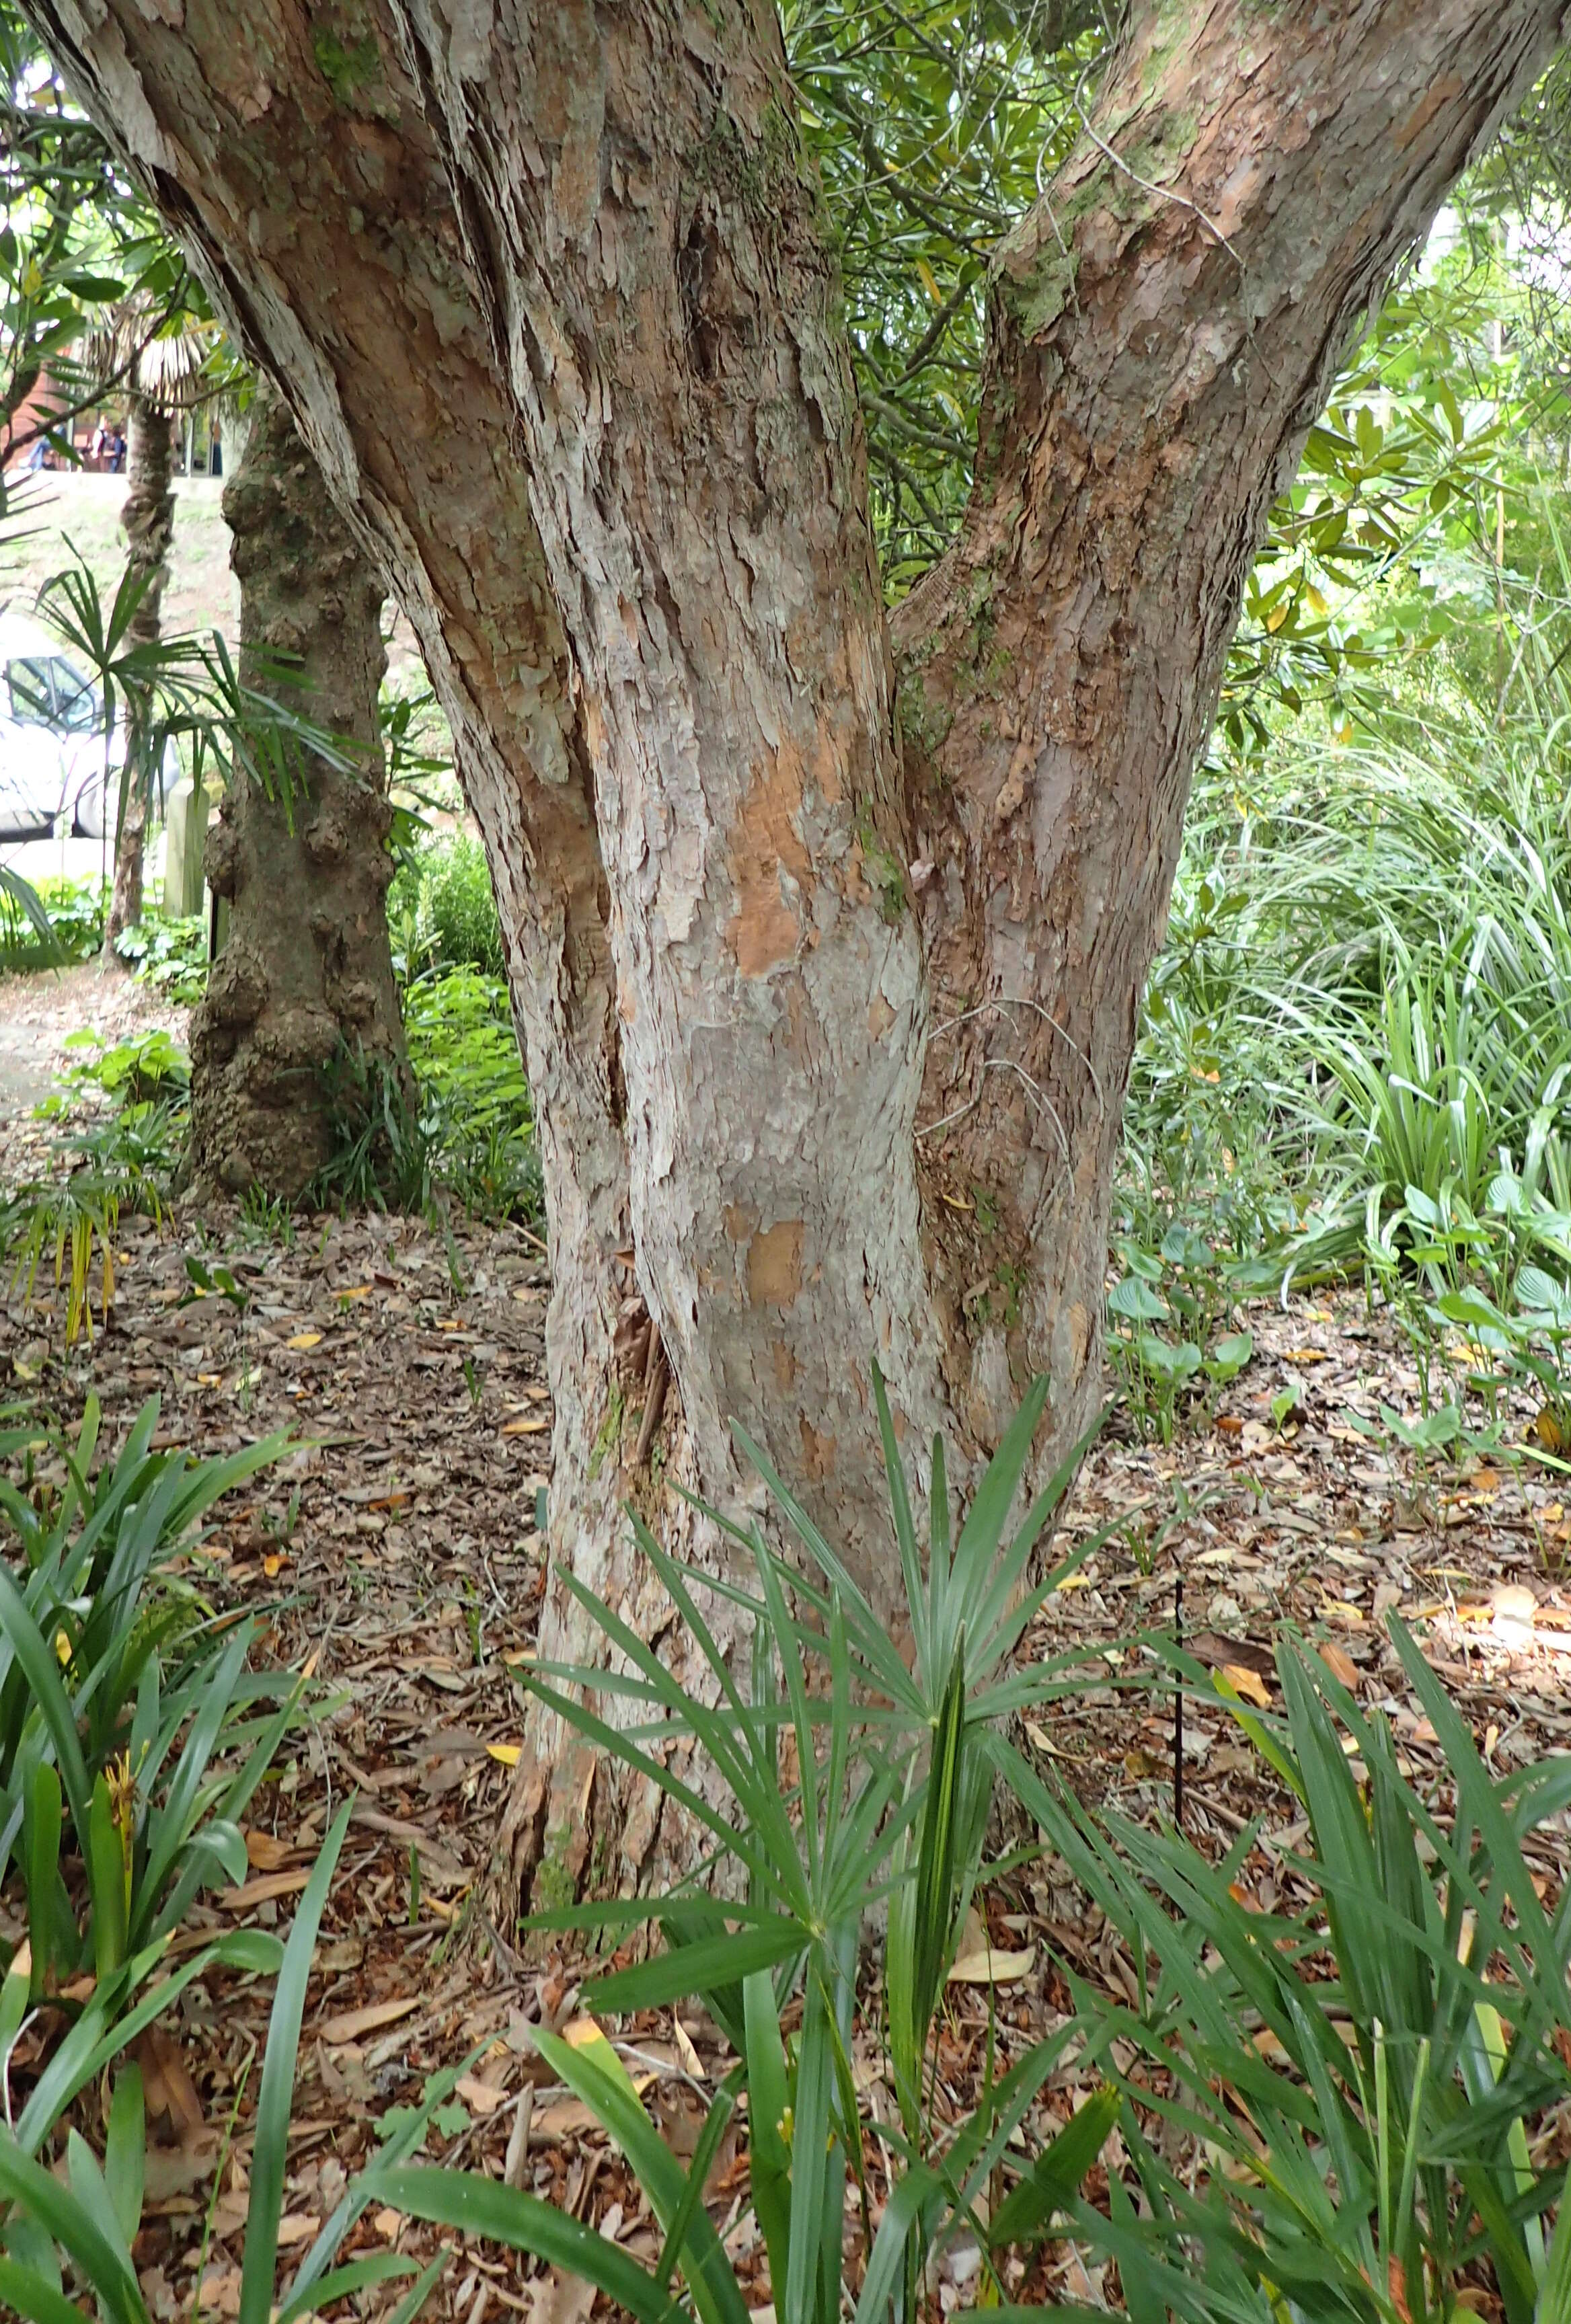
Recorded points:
(1354, 1054)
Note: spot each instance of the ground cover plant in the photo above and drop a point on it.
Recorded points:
(75, 909)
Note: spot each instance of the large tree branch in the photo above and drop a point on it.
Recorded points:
(1165, 327)
(299, 171)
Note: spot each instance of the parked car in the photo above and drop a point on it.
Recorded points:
(51, 740)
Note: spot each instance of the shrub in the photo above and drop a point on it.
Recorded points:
(887, 1802)
(124, 1162)
(75, 908)
(442, 910)
(168, 953)
(118, 1691)
(474, 1102)
(1358, 2078)
(89, 2219)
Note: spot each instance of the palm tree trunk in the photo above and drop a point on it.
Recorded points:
(148, 518)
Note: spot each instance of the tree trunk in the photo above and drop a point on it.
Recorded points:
(830, 1014)
(148, 519)
(301, 1006)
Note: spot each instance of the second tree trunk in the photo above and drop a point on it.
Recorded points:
(148, 518)
(301, 1002)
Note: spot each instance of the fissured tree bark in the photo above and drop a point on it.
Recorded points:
(300, 1009)
(147, 516)
(828, 1005)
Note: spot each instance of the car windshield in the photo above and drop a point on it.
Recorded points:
(76, 699)
(27, 685)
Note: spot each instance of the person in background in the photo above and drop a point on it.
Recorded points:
(98, 450)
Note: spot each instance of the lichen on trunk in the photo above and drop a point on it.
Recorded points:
(300, 1003)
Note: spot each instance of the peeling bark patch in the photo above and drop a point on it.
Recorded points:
(763, 934)
(818, 1451)
(1419, 120)
(766, 930)
(774, 1265)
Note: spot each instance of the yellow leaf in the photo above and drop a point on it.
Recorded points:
(304, 1339)
(581, 2032)
(358, 1291)
(506, 1755)
(1275, 617)
(524, 1427)
(1248, 1683)
(929, 281)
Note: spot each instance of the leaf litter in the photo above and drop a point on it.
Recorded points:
(397, 1546)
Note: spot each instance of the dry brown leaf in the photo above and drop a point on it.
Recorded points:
(266, 1852)
(560, 2300)
(1341, 1665)
(685, 2050)
(990, 1967)
(351, 2023)
(166, 2087)
(569, 2118)
(484, 2097)
(262, 1891)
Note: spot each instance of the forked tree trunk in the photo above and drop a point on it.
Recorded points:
(830, 1012)
(148, 519)
(301, 1015)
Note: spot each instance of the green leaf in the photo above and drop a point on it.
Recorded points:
(42, 1846)
(43, 1672)
(125, 2150)
(269, 2151)
(107, 1878)
(479, 2206)
(593, 2071)
(1054, 2179)
(691, 1969)
(72, 2226)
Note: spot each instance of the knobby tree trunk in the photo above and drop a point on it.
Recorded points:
(828, 1000)
(148, 519)
(301, 1006)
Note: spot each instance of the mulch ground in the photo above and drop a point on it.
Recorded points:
(396, 1547)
